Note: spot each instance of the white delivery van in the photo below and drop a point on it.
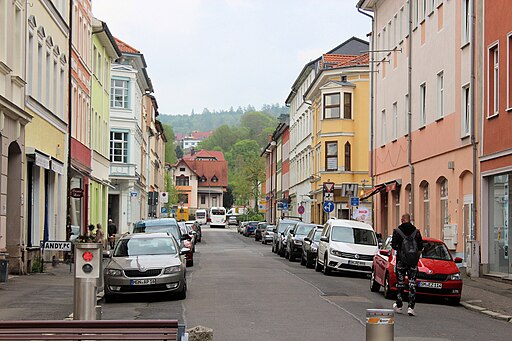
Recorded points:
(218, 217)
(201, 216)
(346, 245)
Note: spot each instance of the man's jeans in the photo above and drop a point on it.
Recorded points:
(401, 271)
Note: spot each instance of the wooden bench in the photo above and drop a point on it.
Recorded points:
(92, 330)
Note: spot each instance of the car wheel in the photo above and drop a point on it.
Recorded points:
(454, 301)
(327, 269)
(387, 288)
(190, 263)
(286, 254)
(318, 266)
(309, 262)
(302, 260)
(183, 293)
(109, 298)
(291, 257)
(374, 286)
(273, 248)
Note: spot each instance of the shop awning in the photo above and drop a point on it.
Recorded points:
(387, 186)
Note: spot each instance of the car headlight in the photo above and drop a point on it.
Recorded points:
(113, 272)
(454, 277)
(172, 269)
(297, 242)
(335, 252)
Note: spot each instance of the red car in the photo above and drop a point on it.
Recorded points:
(438, 274)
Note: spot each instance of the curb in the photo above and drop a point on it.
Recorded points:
(487, 312)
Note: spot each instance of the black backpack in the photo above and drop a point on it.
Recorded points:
(409, 253)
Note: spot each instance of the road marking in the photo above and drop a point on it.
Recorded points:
(327, 300)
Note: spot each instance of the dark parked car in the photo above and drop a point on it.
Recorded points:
(250, 227)
(281, 226)
(295, 239)
(310, 247)
(259, 230)
(283, 240)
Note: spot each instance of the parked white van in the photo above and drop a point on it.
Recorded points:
(218, 217)
(201, 216)
(346, 245)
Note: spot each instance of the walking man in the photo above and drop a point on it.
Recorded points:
(407, 243)
(112, 231)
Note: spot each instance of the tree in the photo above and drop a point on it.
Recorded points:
(170, 151)
(179, 152)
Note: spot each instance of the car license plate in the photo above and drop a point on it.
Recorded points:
(432, 285)
(142, 281)
(356, 263)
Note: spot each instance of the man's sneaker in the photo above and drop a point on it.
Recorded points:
(411, 312)
(397, 309)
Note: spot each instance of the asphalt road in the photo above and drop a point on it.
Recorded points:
(243, 291)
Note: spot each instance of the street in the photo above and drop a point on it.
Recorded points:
(243, 291)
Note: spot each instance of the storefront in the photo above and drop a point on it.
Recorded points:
(499, 210)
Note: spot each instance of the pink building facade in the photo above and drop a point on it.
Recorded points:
(422, 155)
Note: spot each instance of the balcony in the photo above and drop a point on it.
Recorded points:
(123, 171)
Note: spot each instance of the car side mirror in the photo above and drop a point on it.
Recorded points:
(307, 240)
(384, 252)
(107, 254)
(184, 251)
(194, 232)
(324, 239)
(185, 237)
(457, 260)
(292, 233)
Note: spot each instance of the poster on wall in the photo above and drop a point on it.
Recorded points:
(362, 213)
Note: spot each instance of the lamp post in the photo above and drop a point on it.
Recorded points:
(214, 180)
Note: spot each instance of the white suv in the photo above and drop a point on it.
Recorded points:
(346, 245)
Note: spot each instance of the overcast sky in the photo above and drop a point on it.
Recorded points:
(220, 53)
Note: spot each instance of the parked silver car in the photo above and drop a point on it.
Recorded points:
(268, 234)
(146, 263)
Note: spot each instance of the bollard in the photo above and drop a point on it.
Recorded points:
(87, 271)
(4, 270)
(380, 324)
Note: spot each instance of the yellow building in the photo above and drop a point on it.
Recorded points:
(339, 100)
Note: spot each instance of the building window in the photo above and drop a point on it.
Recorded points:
(466, 117)
(48, 79)
(332, 106)
(415, 13)
(423, 104)
(390, 36)
(426, 209)
(348, 152)
(30, 62)
(440, 94)
(331, 156)
(119, 94)
(401, 20)
(119, 146)
(347, 105)
(395, 120)
(443, 202)
(183, 198)
(423, 9)
(466, 21)
(203, 199)
(182, 181)
(494, 69)
(383, 127)
(498, 222)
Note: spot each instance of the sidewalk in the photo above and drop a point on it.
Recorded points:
(50, 295)
(488, 296)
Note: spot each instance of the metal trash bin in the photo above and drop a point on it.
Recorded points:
(380, 324)
(4, 270)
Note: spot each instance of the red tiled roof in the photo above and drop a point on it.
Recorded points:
(337, 58)
(204, 154)
(363, 59)
(208, 169)
(124, 47)
(180, 136)
(200, 135)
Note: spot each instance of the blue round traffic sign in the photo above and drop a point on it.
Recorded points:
(328, 206)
